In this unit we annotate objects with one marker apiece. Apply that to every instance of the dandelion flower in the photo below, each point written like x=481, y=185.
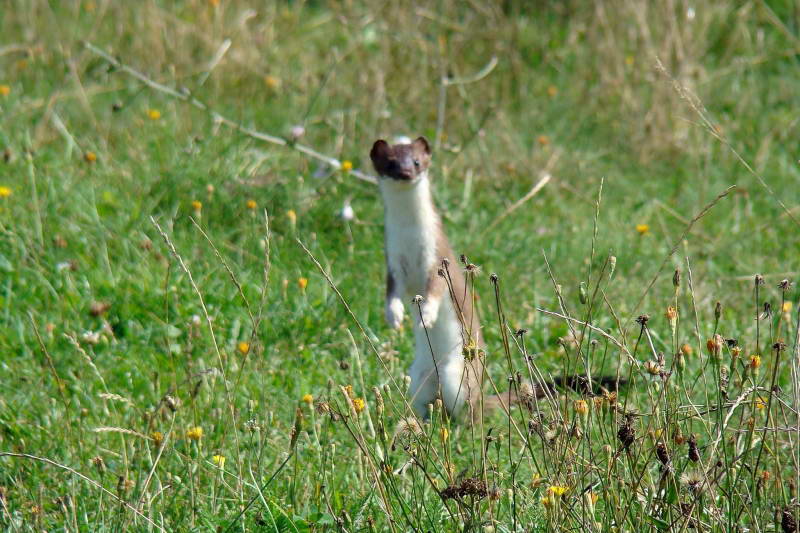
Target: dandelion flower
x=292, y=216
x=558, y=490
x=755, y=361
x=787, y=307
x=5, y=192
x=642, y=229
x=359, y=404
x=153, y=114
x=759, y=403
x=307, y=398
x=197, y=205
x=90, y=157
x=218, y=460
x=251, y=204
x=302, y=283
x=157, y=437
x=5, y=90
x=194, y=433
x=272, y=82
x=243, y=347
x=347, y=166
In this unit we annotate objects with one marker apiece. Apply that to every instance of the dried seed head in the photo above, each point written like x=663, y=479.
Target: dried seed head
x=788, y=521
x=759, y=280
x=642, y=320
x=785, y=285
x=172, y=402
x=662, y=453
x=676, y=278
x=694, y=453
x=626, y=433
x=493, y=278
x=417, y=300
x=717, y=310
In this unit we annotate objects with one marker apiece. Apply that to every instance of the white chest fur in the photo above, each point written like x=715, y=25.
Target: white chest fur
x=411, y=229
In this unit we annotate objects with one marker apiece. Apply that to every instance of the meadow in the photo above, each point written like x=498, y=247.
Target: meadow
x=192, y=332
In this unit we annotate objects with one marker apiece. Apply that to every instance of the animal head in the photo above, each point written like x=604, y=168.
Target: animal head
x=401, y=162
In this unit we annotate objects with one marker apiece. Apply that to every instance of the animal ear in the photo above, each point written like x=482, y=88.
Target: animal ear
x=380, y=152
x=421, y=143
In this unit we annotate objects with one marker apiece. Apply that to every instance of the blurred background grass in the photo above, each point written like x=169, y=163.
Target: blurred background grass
x=575, y=93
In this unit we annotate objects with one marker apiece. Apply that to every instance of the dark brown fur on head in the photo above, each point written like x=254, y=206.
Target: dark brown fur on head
x=403, y=162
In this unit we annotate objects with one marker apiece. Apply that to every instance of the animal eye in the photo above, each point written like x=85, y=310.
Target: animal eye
x=416, y=163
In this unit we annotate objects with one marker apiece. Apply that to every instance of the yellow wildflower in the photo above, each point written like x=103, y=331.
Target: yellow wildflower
x=272, y=82
x=153, y=114
x=347, y=166
x=292, y=216
x=671, y=314
x=444, y=434
x=546, y=501
x=558, y=490
x=787, y=307
x=5, y=192
x=158, y=438
x=348, y=389
x=686, y=350
x=629, y=60
x=302, y=283
x=307, y=398
x=243, y=347
x=755, y=361
x=194, y=433
x=359, y=404
x=197, y=205
x=759, y=403
x=552, y=91
x=5, y=90
x=90, y=157
x=543, y=140
x=218, y=460
x=251, y=204
x=581, y=407
x=642, y=229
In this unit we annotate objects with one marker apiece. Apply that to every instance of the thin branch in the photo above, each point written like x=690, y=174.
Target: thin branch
x=185, y=95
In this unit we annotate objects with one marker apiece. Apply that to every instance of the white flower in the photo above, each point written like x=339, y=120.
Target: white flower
x=297, y=132
x=347, y=212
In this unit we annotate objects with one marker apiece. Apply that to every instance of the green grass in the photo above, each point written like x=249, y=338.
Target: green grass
x=575, y=92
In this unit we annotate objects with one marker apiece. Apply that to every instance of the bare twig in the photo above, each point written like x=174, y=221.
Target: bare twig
x=185, y=95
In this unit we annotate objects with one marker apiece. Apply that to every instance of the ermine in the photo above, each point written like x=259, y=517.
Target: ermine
x=446, y=327
x=445, y=322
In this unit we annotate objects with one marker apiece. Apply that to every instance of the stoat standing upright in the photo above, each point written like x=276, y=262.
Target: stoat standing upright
x=416, y=246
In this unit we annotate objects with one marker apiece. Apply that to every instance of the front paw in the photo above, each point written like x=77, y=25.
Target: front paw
x=394, y=313
x=428, y=313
